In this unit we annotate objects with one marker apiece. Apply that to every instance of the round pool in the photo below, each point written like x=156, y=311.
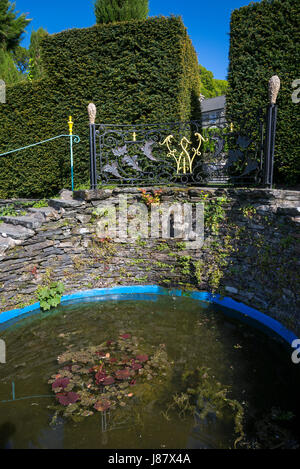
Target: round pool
x=145, y=371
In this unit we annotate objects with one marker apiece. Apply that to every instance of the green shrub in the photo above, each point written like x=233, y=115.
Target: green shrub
x=264, y=41
x=136, y=71
x=50, y=296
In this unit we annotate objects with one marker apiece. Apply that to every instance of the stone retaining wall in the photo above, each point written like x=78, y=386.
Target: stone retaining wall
x=251, y=249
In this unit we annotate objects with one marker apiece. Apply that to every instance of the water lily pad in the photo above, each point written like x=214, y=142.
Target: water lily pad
x=61, y=383
x=108, y=380
x=67, y=398
x=102, y=405
x=136, y=366
x=123, y=374
x=101, y=377
x=87, y=413
x=142, y=358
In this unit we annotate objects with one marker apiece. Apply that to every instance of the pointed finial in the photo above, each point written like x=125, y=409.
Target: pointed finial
x=274, y=87
x=92, y=111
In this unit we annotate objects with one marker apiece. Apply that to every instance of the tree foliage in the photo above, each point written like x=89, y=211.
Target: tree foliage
x=21, y=59
x=36, y=69
x=8, y=70
x=210, y=86
x=12, y=56
x=11, y=26
x=110, y=11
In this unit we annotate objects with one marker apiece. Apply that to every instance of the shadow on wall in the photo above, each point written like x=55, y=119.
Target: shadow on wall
x=255, y=256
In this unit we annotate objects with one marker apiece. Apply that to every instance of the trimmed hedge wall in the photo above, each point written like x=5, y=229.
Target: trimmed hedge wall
x=136, y=71
x=265, y=41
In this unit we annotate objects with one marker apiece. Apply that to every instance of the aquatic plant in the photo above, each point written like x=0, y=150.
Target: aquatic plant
x=105, y=377
x=202, y=396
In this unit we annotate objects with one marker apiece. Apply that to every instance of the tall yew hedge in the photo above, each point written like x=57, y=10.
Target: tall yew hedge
x=265, y=41
x=136, y=71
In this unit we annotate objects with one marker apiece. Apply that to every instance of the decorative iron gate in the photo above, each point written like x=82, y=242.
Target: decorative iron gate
x=184, y=152
x=174, y=153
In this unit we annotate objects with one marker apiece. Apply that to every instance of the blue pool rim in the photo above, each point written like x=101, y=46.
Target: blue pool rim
x=240, y=310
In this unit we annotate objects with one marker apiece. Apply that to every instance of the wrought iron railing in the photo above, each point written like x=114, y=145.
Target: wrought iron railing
x=72, y=138
x=235, y=152
x=173, y=153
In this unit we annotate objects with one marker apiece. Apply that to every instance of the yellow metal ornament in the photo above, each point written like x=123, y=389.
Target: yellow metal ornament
x=71, y=123
x=184, y=161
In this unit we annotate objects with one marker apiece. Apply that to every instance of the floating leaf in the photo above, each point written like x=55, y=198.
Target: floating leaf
x=102, y=405
x=123, y=374
x=136, y=366
x=87, y=413
x=67, y=398
x=61, y=383
x=108, y=380
x=100, y=376
x=142, y=358
x=125, y=336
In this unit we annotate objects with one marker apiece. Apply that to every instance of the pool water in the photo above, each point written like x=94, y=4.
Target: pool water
x=256, y=370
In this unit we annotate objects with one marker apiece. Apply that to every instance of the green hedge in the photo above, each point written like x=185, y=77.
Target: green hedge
x=265, y=41
x=138, y=71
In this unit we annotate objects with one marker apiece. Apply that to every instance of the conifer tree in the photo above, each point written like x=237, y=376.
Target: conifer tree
x=11, y=26
x=35, y=62
x=110, y=11
x=8, y=69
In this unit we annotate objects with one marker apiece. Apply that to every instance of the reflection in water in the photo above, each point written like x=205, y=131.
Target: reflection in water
x=50, y=438
x=7, y=430
x=207, y=432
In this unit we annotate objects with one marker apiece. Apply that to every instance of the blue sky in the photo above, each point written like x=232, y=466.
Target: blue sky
x=207, y=22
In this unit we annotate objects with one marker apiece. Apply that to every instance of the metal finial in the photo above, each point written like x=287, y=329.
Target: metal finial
x=92, y=111
x=71, y=123
x=274, y=87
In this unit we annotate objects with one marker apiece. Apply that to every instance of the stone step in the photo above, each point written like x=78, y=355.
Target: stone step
x=26, y=221
x=290, y=211
x=62, y=203
x=15, y=231
x=288, y=202
x=43, y=212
